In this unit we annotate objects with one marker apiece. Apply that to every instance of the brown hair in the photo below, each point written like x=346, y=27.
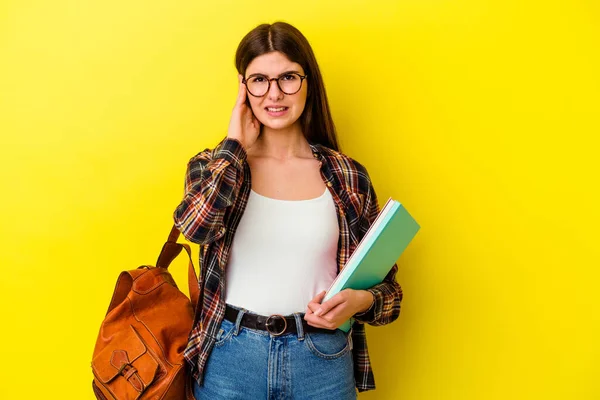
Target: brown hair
x=317, y=124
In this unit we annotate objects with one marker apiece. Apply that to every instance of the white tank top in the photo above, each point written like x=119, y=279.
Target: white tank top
x=283, y=254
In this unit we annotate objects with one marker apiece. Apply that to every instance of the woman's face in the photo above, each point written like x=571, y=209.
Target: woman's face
x=276, y=109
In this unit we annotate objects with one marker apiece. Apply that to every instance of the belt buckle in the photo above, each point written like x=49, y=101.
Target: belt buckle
x=267, y=325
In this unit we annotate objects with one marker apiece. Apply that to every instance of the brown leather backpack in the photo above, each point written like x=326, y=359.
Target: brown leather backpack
x=139, y=350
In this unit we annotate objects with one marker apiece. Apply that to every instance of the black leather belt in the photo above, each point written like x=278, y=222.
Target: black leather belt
x=275, y=324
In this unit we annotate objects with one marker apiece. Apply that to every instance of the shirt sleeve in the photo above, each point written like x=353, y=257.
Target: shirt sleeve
x=388, y=294
x=212, y=182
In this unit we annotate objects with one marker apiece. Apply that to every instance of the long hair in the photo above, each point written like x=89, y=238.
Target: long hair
x=317, y=124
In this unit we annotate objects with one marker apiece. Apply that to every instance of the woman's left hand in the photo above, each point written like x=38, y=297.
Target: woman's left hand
x=337, y=310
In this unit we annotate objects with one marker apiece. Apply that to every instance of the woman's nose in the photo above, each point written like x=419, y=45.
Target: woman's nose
x=274, y=92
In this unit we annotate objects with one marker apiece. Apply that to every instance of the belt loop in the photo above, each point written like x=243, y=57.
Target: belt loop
x=238, y=321
x=299, y=326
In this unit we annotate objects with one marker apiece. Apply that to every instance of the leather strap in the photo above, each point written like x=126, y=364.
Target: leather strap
x=171, y=249
x=260, y=322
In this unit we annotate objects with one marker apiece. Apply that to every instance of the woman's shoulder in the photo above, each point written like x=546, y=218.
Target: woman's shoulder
x=205, y=154
x=342, y=161
x=355, y=174
x=208, y=153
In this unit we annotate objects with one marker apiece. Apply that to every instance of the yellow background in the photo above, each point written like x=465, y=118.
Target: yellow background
x=480, y=116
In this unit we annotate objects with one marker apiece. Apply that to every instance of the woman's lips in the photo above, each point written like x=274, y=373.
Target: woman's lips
x=276, y=111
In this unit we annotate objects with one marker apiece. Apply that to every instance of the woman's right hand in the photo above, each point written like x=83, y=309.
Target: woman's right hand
x=243, y=125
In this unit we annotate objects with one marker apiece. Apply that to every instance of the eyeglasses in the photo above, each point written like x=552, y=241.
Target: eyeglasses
x=259, y=85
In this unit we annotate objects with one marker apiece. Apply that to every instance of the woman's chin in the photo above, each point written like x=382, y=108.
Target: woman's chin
x=275, y=124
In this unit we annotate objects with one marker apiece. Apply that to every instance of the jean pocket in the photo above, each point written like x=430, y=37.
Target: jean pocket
x=225, y=332
x=328, y=345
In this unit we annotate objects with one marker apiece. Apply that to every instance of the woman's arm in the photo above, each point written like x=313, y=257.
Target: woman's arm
x=388, y=294
x=212, y=182
x=214, y=178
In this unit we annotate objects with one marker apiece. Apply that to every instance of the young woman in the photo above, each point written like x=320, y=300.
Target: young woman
x=277, y=210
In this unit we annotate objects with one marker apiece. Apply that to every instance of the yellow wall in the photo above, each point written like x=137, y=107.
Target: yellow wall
x=481, y=116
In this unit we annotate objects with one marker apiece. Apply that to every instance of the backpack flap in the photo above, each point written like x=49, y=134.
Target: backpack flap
x=126, y=365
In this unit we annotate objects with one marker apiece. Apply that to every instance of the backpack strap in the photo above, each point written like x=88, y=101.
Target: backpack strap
x=170, y=250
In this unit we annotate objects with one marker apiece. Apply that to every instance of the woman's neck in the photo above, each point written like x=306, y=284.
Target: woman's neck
x=281, y=144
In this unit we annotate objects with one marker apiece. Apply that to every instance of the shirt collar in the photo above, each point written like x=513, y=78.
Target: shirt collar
x=316, y=150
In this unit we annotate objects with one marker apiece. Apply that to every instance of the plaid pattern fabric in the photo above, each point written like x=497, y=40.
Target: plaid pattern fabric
x=217, y=186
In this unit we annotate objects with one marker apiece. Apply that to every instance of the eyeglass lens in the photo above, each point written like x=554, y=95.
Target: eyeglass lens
x=258, y=85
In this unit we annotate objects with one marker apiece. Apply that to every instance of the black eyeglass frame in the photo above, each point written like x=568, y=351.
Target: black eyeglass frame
x=302, y=78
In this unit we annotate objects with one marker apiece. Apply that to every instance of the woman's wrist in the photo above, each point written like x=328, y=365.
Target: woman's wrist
x=367, y=301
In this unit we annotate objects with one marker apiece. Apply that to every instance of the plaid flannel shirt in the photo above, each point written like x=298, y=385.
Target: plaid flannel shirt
x=217, y=186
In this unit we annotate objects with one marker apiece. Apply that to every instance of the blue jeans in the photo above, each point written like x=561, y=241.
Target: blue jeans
x=252, y=364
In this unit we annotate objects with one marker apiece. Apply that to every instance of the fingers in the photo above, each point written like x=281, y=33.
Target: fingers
x=314, y=319
x=329, y=304
x=241, y=92
x=315, y=303
x=319, y=297
x=312, y=307
x=320, y=322
x=330, y=314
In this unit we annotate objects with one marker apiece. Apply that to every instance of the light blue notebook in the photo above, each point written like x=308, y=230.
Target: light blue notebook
x=375, y=255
